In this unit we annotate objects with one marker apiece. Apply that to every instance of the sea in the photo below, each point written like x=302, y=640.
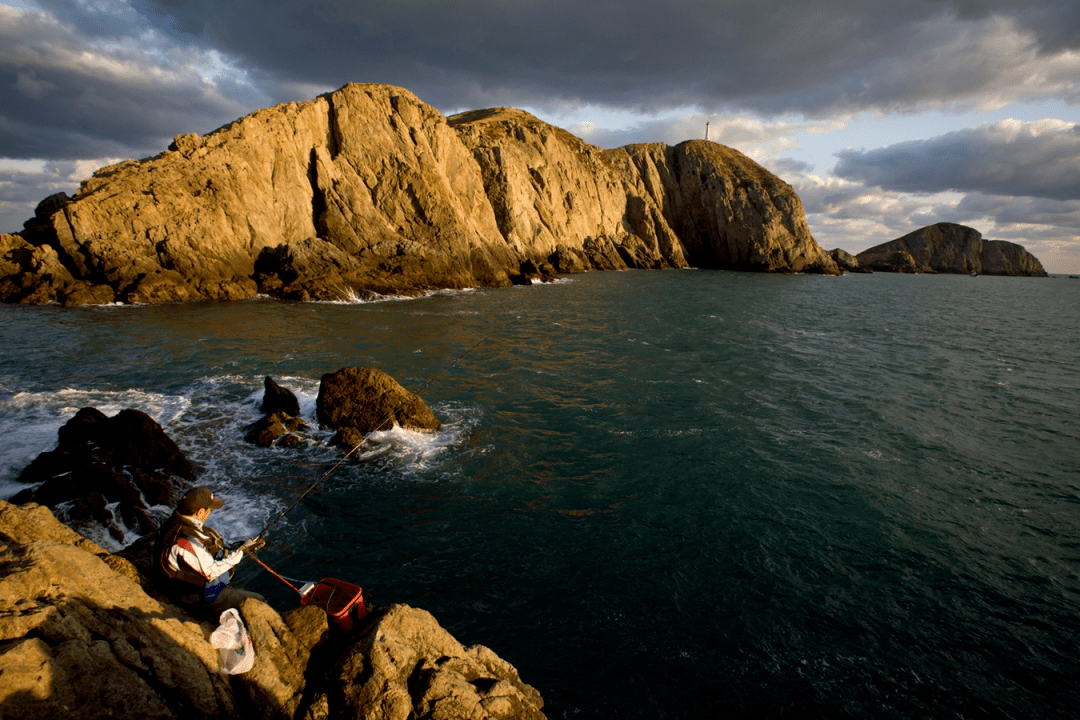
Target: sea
x=658, y=494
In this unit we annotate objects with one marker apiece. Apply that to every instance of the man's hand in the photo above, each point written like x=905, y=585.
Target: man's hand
x=253, y=545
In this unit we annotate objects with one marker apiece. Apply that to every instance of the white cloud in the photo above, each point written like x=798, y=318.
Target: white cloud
x=21, y=188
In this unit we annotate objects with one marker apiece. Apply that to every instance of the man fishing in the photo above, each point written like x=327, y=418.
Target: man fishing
x=191, y=562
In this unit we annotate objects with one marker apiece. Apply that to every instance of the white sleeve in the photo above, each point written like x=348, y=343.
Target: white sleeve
x=198, y=559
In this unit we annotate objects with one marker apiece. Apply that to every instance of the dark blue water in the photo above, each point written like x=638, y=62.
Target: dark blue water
x=670, y=494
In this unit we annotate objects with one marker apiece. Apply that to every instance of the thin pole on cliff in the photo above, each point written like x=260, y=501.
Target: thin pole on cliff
x=380, y=426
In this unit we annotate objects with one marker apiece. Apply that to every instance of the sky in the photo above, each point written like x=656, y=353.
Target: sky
x=884, y=116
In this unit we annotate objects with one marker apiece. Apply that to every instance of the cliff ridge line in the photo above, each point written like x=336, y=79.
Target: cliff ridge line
x=369, y=190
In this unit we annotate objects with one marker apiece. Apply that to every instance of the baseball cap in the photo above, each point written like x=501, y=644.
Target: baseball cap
x=197, y=499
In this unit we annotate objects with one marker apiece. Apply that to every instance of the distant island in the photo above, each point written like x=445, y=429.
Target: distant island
x=367, y=190
x=944, y=248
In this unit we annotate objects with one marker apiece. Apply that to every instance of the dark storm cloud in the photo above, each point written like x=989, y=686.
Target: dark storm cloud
x=66, y=94
x=83, y=79
x=811, y=56
x=1009, y=158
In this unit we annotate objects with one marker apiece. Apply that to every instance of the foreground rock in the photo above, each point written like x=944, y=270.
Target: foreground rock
x=406, y=666
x=369, y=190
x=80, y=638
x=126, y=459
x=950, y=248
x=357, y=401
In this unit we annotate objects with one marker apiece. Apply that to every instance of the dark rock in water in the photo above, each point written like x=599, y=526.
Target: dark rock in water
x=126, y=459
x=278, y=399
x=274, y=426
x=406, y=665
x=365, y=400
x=950, y=248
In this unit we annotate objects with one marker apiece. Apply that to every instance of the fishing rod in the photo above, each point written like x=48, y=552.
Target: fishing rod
x=389, y=418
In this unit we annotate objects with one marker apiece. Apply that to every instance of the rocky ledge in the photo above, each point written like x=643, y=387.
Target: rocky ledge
x=950, y=248
x=368, y=190
x=83, y=635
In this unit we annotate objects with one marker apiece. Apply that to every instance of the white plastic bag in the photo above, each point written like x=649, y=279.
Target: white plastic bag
x=232, y=641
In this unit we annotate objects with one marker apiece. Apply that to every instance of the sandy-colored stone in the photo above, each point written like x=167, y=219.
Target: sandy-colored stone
x=369, y=190
x=405, y=665
x=364, y=400
x=103, y=647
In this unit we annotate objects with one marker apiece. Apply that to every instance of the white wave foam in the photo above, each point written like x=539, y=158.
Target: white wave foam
x=348, y=296
x=208, y=420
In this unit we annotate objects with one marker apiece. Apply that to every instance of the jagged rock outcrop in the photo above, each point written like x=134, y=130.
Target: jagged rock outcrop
x=406, y=666
x=80, y=638
x=126, y=459
x=357, y=401
x=281, y=425
x=278, y=399
x=950, y=248
x=277, y=428
x=369, y=190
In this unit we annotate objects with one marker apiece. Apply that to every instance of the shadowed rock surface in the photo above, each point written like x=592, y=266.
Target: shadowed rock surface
x=369, y=190
x=358, y=401
x=950, y=248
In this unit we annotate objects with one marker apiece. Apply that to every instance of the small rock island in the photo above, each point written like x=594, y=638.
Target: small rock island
x=948, y=248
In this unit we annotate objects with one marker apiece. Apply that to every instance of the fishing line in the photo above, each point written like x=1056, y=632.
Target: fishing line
x=379, y=427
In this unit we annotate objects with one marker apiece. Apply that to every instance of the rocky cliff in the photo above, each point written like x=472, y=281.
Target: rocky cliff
x=950, y=248
x=368, y=189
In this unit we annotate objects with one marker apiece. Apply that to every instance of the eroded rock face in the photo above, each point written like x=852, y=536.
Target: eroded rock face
x=405, y=665
x=369, y=190
x=728, y=211
x=126, y=459
x=645, y=206
x=358, y=401
x=950, y=248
